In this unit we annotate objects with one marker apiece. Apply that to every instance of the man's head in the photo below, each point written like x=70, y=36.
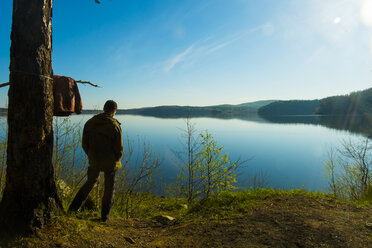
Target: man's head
x=110, y=107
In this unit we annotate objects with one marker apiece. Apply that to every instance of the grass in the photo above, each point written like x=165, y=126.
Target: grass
x=233, y=204
x=221, y=206
x=147, y=206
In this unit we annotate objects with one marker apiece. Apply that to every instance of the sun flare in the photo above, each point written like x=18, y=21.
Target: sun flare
x=366, y=12
x=337, y=20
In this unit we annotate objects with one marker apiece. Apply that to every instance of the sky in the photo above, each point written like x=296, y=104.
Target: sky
x=206, y=52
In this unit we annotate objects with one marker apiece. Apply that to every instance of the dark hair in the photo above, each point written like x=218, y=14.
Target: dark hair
x=110, y=106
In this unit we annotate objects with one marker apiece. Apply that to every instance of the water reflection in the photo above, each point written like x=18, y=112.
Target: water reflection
x=356, y=123
x=293, y=119
x=183, y=113
x=359, y=124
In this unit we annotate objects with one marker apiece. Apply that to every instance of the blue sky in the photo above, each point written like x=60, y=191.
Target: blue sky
x=206, y=52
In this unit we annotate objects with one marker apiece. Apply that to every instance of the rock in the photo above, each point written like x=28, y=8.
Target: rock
x=61, y=244
x=129, y=240
x=369, y=226
x=164, y=219
x=63, y=189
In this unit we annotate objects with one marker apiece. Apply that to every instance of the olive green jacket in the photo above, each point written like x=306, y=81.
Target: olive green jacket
x=102, y=142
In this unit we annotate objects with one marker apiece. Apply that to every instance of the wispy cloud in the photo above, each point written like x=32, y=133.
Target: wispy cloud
x=315, y=55
x=178, y=58
x=220, y=46
x=266, y=29
x=195, y=52
x=207, y=46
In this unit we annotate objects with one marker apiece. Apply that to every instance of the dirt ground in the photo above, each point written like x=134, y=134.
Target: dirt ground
x=293, y=221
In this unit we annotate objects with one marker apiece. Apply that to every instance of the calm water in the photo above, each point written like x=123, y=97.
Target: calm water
x=288, y=155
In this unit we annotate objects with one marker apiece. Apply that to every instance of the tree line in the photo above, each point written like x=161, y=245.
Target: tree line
x=355, y=103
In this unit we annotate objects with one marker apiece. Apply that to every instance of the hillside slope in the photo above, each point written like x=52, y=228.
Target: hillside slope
x=359, y=103
x=355, y=103
x=293, y=107
x=175, y=111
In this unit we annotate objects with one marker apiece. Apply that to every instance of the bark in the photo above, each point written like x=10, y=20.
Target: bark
x=30, y=197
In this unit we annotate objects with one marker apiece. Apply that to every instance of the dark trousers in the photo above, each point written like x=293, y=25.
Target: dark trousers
x=108, y=195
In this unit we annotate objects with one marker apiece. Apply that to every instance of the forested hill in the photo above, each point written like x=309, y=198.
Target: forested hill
x=292, y=107
x=356, y=103
x=223, y=111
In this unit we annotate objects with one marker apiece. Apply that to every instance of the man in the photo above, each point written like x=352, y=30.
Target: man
x=103, y=143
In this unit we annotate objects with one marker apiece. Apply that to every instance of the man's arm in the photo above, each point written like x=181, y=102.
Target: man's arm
x=118, y=143
x=85, y=140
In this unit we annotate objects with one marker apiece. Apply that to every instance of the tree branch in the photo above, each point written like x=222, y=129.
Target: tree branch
x=78, y=81
x=5, y=84
x=87, y=82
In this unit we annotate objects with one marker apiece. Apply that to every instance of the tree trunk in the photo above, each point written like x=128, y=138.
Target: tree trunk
x=30, y=196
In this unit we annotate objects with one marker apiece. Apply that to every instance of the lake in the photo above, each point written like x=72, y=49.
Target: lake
x=286, y=155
